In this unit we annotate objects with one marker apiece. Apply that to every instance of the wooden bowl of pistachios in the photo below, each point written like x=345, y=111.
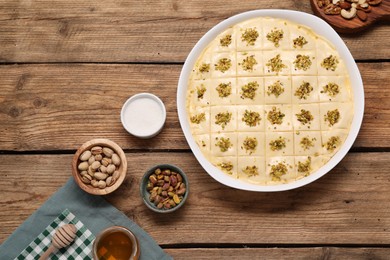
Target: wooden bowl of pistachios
x=99, y=166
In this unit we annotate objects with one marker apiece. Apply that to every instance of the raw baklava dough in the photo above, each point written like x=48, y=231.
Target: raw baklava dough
x=269, y=101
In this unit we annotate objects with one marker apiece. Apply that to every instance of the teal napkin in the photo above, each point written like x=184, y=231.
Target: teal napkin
x=95, y=212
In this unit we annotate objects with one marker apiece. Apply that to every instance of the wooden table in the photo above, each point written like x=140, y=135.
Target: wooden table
x=66, y=69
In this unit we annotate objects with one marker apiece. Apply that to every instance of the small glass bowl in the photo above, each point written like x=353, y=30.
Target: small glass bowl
x=135, y=251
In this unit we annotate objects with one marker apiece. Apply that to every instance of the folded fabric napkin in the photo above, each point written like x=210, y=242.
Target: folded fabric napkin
x=93, y=211
x=81, y=248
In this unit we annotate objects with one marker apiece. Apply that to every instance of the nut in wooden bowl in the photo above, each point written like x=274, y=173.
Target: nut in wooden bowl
x=99, y=166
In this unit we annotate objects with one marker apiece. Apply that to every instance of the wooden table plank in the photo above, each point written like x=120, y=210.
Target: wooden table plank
x=329, y=253
x=59, y=107
x=347, y=206
x=133, y=31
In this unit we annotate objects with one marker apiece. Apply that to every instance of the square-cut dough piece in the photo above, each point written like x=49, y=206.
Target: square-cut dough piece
x=288, y=162
x=252, y=169
x=204, y=125
x=324, y=51
x=307, y=143
x=333, y=140
x=297, y=31
x=227, y=165
x=279, y=144
x=302, y=112
x=272, y=84
x=222, y=85
x=223, y=39
x=281, y=58
x=222, y=127
x=249, y=138
x=204, y=68
x=346, y=114
x=224, y=138
x=243, y=125
x=245, y=95
x=299, y=59
x=250, y=64
x=285, y=121
x=216, y=60
x=271, y=24
x=250, y=27
x=342, y=85
x=304, y=89
x=200, y=93
x=203, y=142
x=309, y=163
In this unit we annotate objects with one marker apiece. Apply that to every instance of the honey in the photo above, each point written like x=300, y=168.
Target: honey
x=115, y=246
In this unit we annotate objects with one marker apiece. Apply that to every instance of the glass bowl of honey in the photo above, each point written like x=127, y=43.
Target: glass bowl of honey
x=116, y=242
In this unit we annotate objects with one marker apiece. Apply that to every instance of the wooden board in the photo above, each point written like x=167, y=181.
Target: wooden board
x=349, y=205
x=59, y=107
x=378, y=13
x=133, y=31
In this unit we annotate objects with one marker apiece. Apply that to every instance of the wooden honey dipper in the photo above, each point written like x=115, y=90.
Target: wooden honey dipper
x=63, y=237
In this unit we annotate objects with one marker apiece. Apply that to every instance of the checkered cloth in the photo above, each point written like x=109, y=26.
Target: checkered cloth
x=81, y=248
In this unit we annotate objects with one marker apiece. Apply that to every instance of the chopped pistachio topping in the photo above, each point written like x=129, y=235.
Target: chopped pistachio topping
x=248, y=63
x=275, y=89
x=278, y=171
x=250, y=144
x=249, y=90
x=203, y=144
x=224, y=89
x=223, y=118
x=223, y=65
x=332, y=143
x=275, y=116
x=276, y=64
x=197, y=119
x=251, y=170
x=223, y=143
x=330, y=63
x=278, y=144
x=250, y=36
x=332, y=89
x=305, y=167
x=299, y=42
x=226, y=41
x=275, y=36
x=302, y=62
x=305, y=117
x=251, y=118
x=204, y=68
x=332, y=116
x=304, y=90
x=200, y=91
x=306, y=143
x=226, y=167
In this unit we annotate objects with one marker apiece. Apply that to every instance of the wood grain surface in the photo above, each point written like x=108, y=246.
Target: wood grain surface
x=315, y=253
x=134, y=31
x=67, y=66
x=61, y=106
x=351, y=199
